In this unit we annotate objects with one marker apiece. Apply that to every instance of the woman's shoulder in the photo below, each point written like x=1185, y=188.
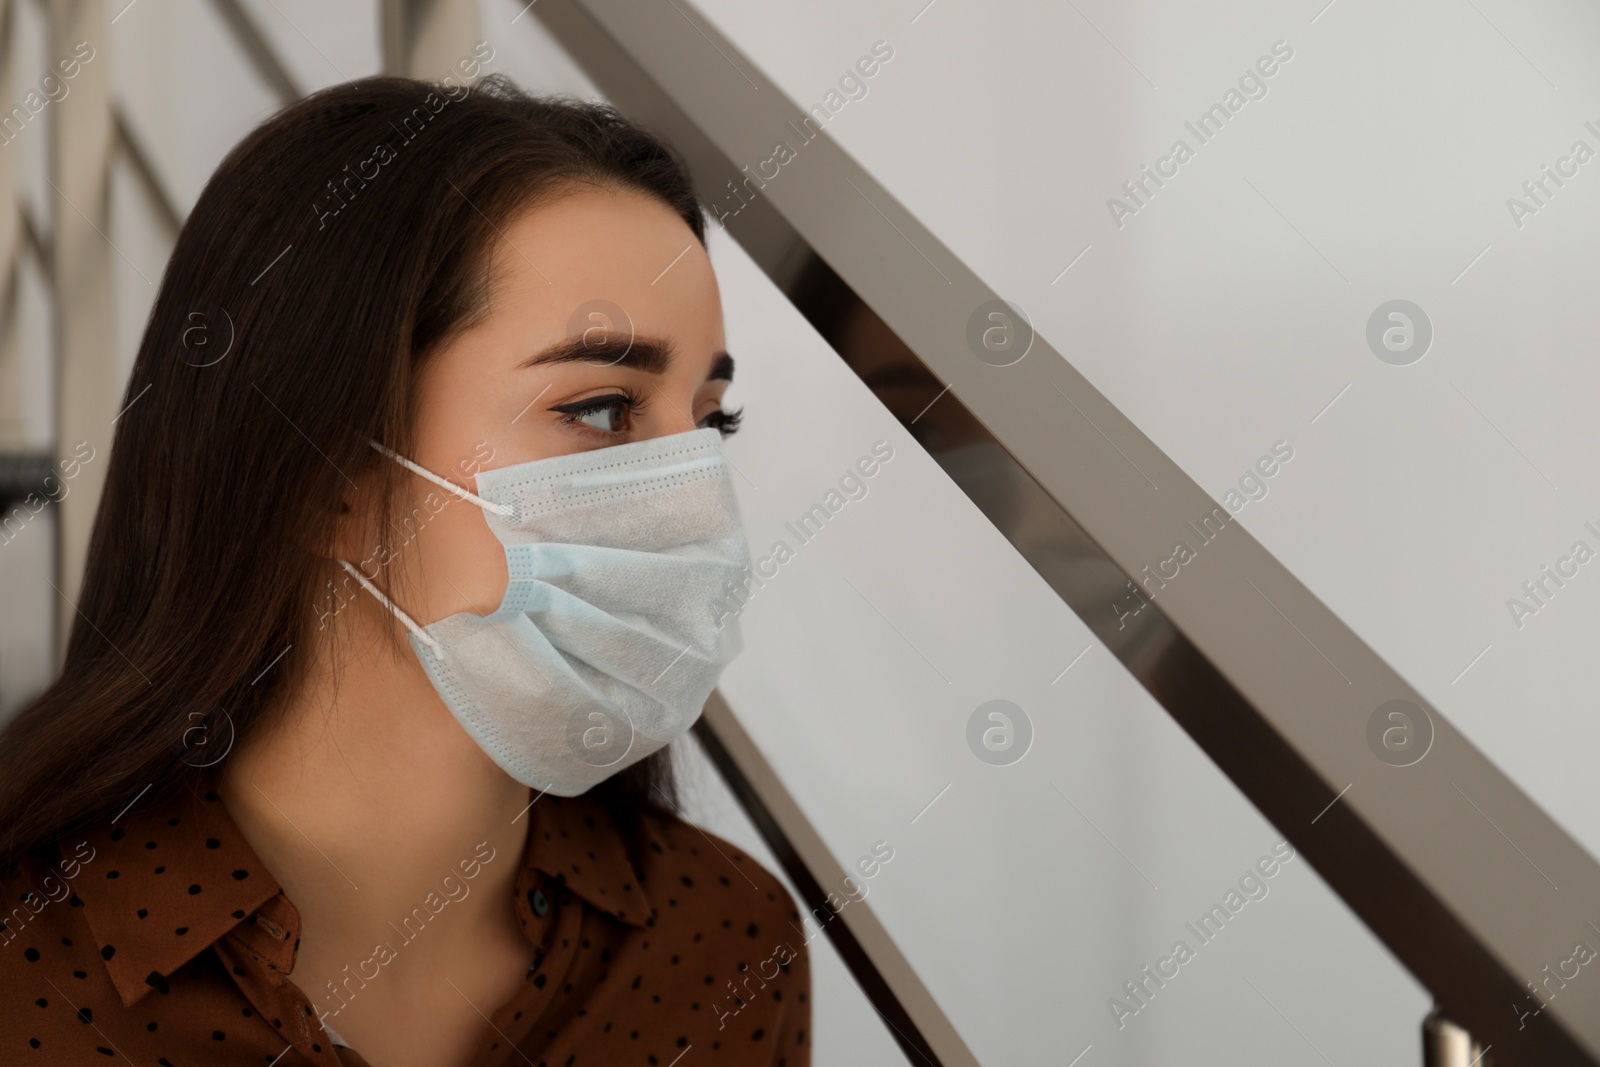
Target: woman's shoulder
x=39, y=901
x=686, y=860
x=719, y=939
x=711, y=898
x=682, y=869
x=46, y=946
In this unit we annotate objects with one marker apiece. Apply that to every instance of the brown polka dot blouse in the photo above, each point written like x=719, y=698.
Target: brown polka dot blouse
x=163, y=940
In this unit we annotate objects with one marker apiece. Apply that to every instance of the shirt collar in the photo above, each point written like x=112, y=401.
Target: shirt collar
x=165, y=882
x=575, y=841
x=153, y=909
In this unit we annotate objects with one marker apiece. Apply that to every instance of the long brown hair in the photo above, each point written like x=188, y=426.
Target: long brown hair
x=314, y=278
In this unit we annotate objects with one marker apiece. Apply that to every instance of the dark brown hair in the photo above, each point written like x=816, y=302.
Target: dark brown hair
x=334, y=250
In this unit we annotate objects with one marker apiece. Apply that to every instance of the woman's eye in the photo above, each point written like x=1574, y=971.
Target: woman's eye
x=607, y=419
x=614, y=413
x=609, y=414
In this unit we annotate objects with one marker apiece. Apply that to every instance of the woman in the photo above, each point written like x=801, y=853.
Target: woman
x=405, y=572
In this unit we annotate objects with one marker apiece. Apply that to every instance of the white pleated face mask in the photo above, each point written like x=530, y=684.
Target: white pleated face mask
x=614, y=626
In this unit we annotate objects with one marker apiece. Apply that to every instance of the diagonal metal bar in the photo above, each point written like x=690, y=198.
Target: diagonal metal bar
x=880, y=968
x=87, y=387
x=259, y=50
x=422, y=38
x=37, y=242
x=10, y=218
x=132, y=149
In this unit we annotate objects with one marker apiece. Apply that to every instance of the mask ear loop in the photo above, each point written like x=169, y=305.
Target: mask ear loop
x=503, y=510
x=410, y=624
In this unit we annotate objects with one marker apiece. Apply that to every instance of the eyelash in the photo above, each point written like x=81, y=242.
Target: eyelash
x=725, y=421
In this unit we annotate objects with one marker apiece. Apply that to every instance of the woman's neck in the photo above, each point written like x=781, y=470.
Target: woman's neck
x=368, y=801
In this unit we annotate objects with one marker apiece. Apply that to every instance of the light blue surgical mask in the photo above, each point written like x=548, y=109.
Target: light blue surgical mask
x=613, y=630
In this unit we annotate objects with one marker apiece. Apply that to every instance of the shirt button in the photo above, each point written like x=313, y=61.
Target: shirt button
x=541, y=903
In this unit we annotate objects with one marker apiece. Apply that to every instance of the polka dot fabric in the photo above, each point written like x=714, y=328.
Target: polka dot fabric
x=163, y=940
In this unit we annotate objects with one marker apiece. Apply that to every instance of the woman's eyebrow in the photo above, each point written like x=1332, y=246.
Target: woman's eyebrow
x=649, y=354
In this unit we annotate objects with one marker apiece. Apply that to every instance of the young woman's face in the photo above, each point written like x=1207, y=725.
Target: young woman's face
x=604, y=327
